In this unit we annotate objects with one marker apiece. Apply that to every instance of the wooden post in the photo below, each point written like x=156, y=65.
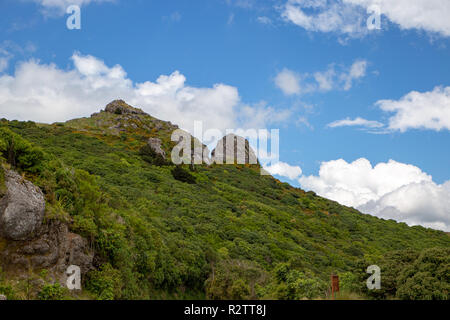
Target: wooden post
x=334, y=285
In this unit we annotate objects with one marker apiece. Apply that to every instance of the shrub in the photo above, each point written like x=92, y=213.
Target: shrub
x=350, y=282
x=18, y=152
x=105, y=283
x=8, y=291
x=150, y=156
x=181, y=174
x=301, y=286
x=428, y=278
x=52, y=292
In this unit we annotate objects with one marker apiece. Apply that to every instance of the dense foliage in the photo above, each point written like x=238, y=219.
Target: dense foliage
x=229, y=233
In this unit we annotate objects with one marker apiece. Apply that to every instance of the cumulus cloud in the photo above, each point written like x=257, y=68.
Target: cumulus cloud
x=358, y=122
x=46, y=93
x=334, y=78
x=419, y=110
x=424, y=203
x=349, y=16
x=391, y=190
x=427, y=15
x=288, y=81
x=283, y=169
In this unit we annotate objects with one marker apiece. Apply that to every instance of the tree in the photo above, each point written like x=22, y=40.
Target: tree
x=18, y=152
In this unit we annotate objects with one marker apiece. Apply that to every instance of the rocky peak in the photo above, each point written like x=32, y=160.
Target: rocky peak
x=242, y=153
x=121, y=107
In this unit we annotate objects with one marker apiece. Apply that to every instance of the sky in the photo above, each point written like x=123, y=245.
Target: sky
x=359, y=89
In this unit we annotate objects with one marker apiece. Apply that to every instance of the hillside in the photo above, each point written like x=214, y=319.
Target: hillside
x=157, y=231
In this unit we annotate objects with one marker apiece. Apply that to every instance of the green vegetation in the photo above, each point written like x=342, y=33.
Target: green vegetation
x=228, y=233
x=52, y=292
x=405, y=274
x=18, y=152
x=181, y=174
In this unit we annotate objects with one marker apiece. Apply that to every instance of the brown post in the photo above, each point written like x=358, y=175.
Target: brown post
x=334, y=285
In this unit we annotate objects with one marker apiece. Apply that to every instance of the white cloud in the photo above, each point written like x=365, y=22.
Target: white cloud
x=264, y=20
x=389, y=190
x=428, y=15
x=325, y=16
x=416, y=110
x=424, y=203
x=260, y=115
x=359, y=122
x=303, y=121
x=288, y=81
x=357, y=71
x=349, y=16
x=5, y=55
x=4, y=62
x=283, y=169
x=59, y=7
x=334, y=78
x=45, y=93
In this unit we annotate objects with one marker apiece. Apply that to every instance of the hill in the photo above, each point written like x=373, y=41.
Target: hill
x=158, y=231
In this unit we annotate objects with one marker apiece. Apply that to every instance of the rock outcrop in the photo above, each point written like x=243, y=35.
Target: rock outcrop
x=121, y=107
x=54, y=248
x=21, y=209
x=241, y=153
x=27, y=243
x=155, y=145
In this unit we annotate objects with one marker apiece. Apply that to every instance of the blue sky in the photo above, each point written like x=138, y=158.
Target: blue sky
x=289, y=62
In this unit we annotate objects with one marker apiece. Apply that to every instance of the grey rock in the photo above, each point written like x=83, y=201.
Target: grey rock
x=155, y=145
x=200, y=156
x=21, y=209
x=122, y=108
x=54, y=249
x=3, y=298
x=241, y=152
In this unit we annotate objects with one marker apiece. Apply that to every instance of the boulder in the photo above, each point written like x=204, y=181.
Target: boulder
x=155, y=145
x=240, y=153
x=21, y=209
x=2, y=297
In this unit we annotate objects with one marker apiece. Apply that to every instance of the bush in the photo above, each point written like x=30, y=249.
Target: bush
x=18, y=152
x=150, y=156
x=428, y=278
x=181, y=174
x=52, y=292
x=350, y=282
x=105, y=283
x=301, y=286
